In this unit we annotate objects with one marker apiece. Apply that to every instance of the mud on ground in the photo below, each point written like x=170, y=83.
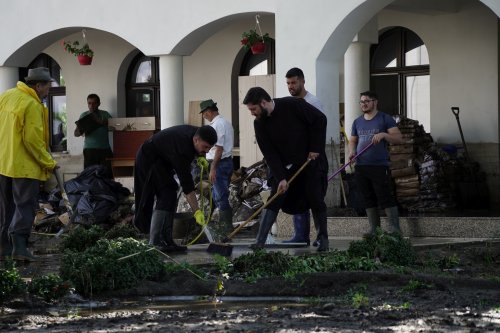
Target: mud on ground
x=462, y=298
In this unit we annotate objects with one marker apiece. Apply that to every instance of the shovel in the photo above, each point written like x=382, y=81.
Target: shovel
x=69, y=208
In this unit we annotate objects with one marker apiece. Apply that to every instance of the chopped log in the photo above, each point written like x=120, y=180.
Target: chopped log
x=403, y=172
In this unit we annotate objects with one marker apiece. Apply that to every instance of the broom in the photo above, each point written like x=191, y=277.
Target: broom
x=226, y=249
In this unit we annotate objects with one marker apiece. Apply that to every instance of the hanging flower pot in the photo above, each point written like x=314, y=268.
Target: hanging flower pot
x=258, y=48
x=254, y=39
x=84, y=59
x=83, y=52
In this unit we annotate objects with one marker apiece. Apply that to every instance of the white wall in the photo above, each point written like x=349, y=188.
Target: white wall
x=463, y=53
x=207, y=72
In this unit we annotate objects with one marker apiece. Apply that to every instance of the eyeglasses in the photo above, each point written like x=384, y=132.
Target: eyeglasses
x=366, y=101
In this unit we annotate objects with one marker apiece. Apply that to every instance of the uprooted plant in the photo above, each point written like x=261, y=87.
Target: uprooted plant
x=48, y=287
x=98, y=267
x=389, y=248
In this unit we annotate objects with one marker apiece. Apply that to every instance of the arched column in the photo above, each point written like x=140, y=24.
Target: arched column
x=356, y=80
x=8, y=77
x=171, y=90
x=357, y=71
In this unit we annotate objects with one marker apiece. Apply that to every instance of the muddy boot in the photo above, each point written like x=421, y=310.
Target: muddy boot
x=226, y=221
x=393, y=219
x=317, y=240
x=302, y=227
x=223, y=227
x=168, y=244
x=320, y=221
x=5, y=246
x=266, y=222
x=373, y=220
x=155, y=230
x=20, y=248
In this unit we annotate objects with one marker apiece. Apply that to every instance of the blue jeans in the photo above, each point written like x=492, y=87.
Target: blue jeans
x=220, y=189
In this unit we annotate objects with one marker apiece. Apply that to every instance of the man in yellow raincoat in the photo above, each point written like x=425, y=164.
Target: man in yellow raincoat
x=24, y=160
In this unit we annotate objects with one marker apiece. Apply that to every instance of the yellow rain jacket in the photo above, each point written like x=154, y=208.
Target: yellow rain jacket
x=24, y=135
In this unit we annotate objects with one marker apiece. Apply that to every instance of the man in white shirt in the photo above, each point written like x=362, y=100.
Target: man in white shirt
x=295, y=82
x=221, y=168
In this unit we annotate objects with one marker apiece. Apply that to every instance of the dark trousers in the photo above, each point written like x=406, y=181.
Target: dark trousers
x=18, y=199
x=374, y=183
x=95, y=156
x=152, y=180
x=308, y=190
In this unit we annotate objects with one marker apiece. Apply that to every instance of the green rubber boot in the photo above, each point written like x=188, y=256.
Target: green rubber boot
x=20, y=248
x=393, y=218
x=373, y=220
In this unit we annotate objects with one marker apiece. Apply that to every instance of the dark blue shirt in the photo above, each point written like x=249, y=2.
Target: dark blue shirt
x=365, y=130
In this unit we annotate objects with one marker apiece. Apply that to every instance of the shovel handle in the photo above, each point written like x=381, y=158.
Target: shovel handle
x=350, y=161
x=455, y=110
x=268, y=202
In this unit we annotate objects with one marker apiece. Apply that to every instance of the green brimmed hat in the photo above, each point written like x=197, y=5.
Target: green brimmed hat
x=208, y=104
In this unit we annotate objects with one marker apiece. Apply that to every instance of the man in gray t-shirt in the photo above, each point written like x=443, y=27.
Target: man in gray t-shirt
x=295, y=82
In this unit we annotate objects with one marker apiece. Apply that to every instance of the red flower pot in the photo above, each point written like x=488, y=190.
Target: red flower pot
x=258, y=48
x=84, y=59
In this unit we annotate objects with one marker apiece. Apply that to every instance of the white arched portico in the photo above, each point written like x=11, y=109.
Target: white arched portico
x=171, y=91
x=311, y=35
x=8, y=77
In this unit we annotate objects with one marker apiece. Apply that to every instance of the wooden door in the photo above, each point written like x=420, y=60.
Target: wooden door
x=249, y=150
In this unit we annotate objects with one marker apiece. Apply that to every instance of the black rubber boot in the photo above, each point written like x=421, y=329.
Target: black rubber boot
x=393, y=218
x=266, y=222
x=223, y=227
x=302, y=228
x=155, y=230
x=20, y=248
x=320, y=221
x=226, y=220
x=5, y=246
x=373, y=220
x=168, y=244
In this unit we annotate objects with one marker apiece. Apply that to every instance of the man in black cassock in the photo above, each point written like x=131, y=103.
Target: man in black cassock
x=168, y=152
x=289, y=131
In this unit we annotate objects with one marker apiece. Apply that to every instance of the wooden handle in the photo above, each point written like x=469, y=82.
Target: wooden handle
x=268, y=202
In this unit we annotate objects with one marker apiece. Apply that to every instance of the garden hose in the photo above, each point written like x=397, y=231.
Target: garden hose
x=201, y=162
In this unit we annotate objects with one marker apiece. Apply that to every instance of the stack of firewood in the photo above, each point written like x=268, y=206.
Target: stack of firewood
x=418, y=168
x=404, y=161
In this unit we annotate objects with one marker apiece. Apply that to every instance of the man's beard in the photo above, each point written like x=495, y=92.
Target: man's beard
x=263, y=113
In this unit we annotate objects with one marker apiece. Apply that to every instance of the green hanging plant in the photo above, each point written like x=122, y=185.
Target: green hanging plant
x=251, y=37
x=75, y=48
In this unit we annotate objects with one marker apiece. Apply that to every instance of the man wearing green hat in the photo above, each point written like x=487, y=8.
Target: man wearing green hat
x=221, y=168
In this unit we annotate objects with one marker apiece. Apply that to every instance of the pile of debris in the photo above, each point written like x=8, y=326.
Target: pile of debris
x=93, y=199
x=247, y=184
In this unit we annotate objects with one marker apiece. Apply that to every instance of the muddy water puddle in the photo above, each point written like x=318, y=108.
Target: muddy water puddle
x=179, y=303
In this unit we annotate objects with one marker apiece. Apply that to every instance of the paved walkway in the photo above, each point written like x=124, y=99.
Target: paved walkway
x=197, y=254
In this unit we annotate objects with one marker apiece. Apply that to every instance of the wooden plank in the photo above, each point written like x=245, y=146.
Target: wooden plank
x=194, y=116
x=249, y=150
x=126, y=143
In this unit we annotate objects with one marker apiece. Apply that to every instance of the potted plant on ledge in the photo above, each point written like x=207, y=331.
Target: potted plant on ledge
x=254, y=41
x=84, y=53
